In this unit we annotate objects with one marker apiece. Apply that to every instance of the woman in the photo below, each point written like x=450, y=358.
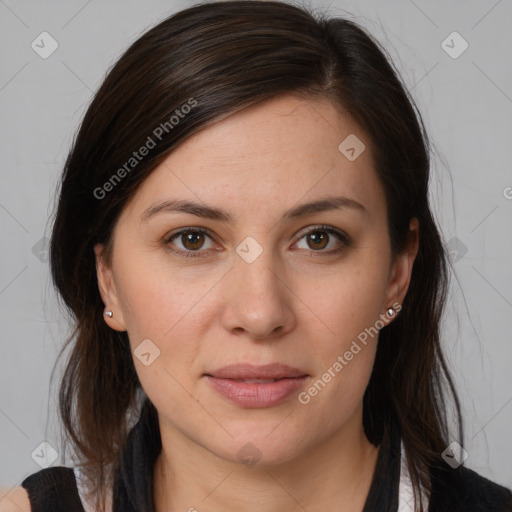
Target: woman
x=245, y=241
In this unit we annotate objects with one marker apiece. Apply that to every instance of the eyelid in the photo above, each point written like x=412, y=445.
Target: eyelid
x=347, y=239
x=190, y=229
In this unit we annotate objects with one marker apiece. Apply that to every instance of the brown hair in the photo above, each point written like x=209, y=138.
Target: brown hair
x=220, y=58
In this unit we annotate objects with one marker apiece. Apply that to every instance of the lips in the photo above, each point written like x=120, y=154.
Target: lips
x=249, y=372
x=251, y=386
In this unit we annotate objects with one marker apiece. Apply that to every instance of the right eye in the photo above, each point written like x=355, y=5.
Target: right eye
x=192, y=239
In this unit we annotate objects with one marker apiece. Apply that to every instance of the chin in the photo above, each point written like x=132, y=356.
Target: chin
x=257, y=446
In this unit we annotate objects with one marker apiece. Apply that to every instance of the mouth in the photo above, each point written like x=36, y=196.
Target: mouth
x=265, y=373
x=250, y=386
x=259, y=381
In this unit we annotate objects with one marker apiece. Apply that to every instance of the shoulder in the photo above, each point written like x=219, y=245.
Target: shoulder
x=14, y=500
x=465, y=490
x=49, y=489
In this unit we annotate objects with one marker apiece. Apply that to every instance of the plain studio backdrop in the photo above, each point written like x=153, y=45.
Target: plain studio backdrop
x=455, y=58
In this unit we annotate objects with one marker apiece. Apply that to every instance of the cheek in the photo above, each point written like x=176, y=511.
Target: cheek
x=158, y=310
x=344, y=328
x=156, y=300
x=168, y=307
x=344, y=354
x=348, y=302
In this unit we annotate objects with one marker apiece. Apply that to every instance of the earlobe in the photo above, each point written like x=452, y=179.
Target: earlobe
x=402, y=266
x=112, y=313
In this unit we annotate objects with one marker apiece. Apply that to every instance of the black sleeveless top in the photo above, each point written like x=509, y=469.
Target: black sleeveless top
x=55, y=489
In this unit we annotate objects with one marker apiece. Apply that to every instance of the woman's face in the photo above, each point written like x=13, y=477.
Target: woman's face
x=255, y=287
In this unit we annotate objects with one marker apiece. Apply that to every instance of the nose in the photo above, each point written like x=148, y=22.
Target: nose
x=257, y=301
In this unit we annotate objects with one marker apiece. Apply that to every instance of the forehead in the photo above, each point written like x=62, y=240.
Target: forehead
x=270, y=156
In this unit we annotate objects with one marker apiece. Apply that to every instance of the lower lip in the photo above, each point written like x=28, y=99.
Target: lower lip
x=254, y=394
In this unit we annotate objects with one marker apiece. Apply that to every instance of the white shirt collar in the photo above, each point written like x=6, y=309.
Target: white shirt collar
x=405, y=492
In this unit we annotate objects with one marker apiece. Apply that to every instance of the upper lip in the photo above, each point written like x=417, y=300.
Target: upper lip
x=250, y=371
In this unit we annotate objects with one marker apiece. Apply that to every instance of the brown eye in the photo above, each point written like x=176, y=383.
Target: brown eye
x=318, y=239
x=321, y=237
x=188, y=242
x=192, y=240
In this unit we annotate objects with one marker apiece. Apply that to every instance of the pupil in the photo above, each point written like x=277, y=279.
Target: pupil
x=192, y=238
x=318, y=238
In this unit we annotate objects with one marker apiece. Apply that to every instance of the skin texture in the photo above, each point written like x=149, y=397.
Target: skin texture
x=14, y=500
x=293, y=304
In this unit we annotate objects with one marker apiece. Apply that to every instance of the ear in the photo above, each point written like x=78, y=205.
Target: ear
x=108, y=291
x=401, y=270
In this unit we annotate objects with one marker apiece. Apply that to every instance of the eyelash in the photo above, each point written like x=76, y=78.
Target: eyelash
x=344, y=238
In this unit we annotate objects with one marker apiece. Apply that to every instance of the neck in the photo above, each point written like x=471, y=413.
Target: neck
x=337, y=470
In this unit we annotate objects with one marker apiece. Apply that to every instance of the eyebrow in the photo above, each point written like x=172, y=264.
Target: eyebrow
x=208, y=212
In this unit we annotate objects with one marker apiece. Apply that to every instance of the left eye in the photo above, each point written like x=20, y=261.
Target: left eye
x=317, y=239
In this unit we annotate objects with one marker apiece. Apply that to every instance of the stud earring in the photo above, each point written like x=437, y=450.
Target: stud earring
x=108, y=313
x=391, y=310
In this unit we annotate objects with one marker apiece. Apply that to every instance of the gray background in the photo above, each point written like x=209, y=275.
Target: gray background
x=467, y=106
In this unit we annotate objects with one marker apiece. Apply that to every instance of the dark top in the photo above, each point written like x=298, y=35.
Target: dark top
x=54, y=489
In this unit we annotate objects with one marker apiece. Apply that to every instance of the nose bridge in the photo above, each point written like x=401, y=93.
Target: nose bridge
x=256, y=300
x=255, y=269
